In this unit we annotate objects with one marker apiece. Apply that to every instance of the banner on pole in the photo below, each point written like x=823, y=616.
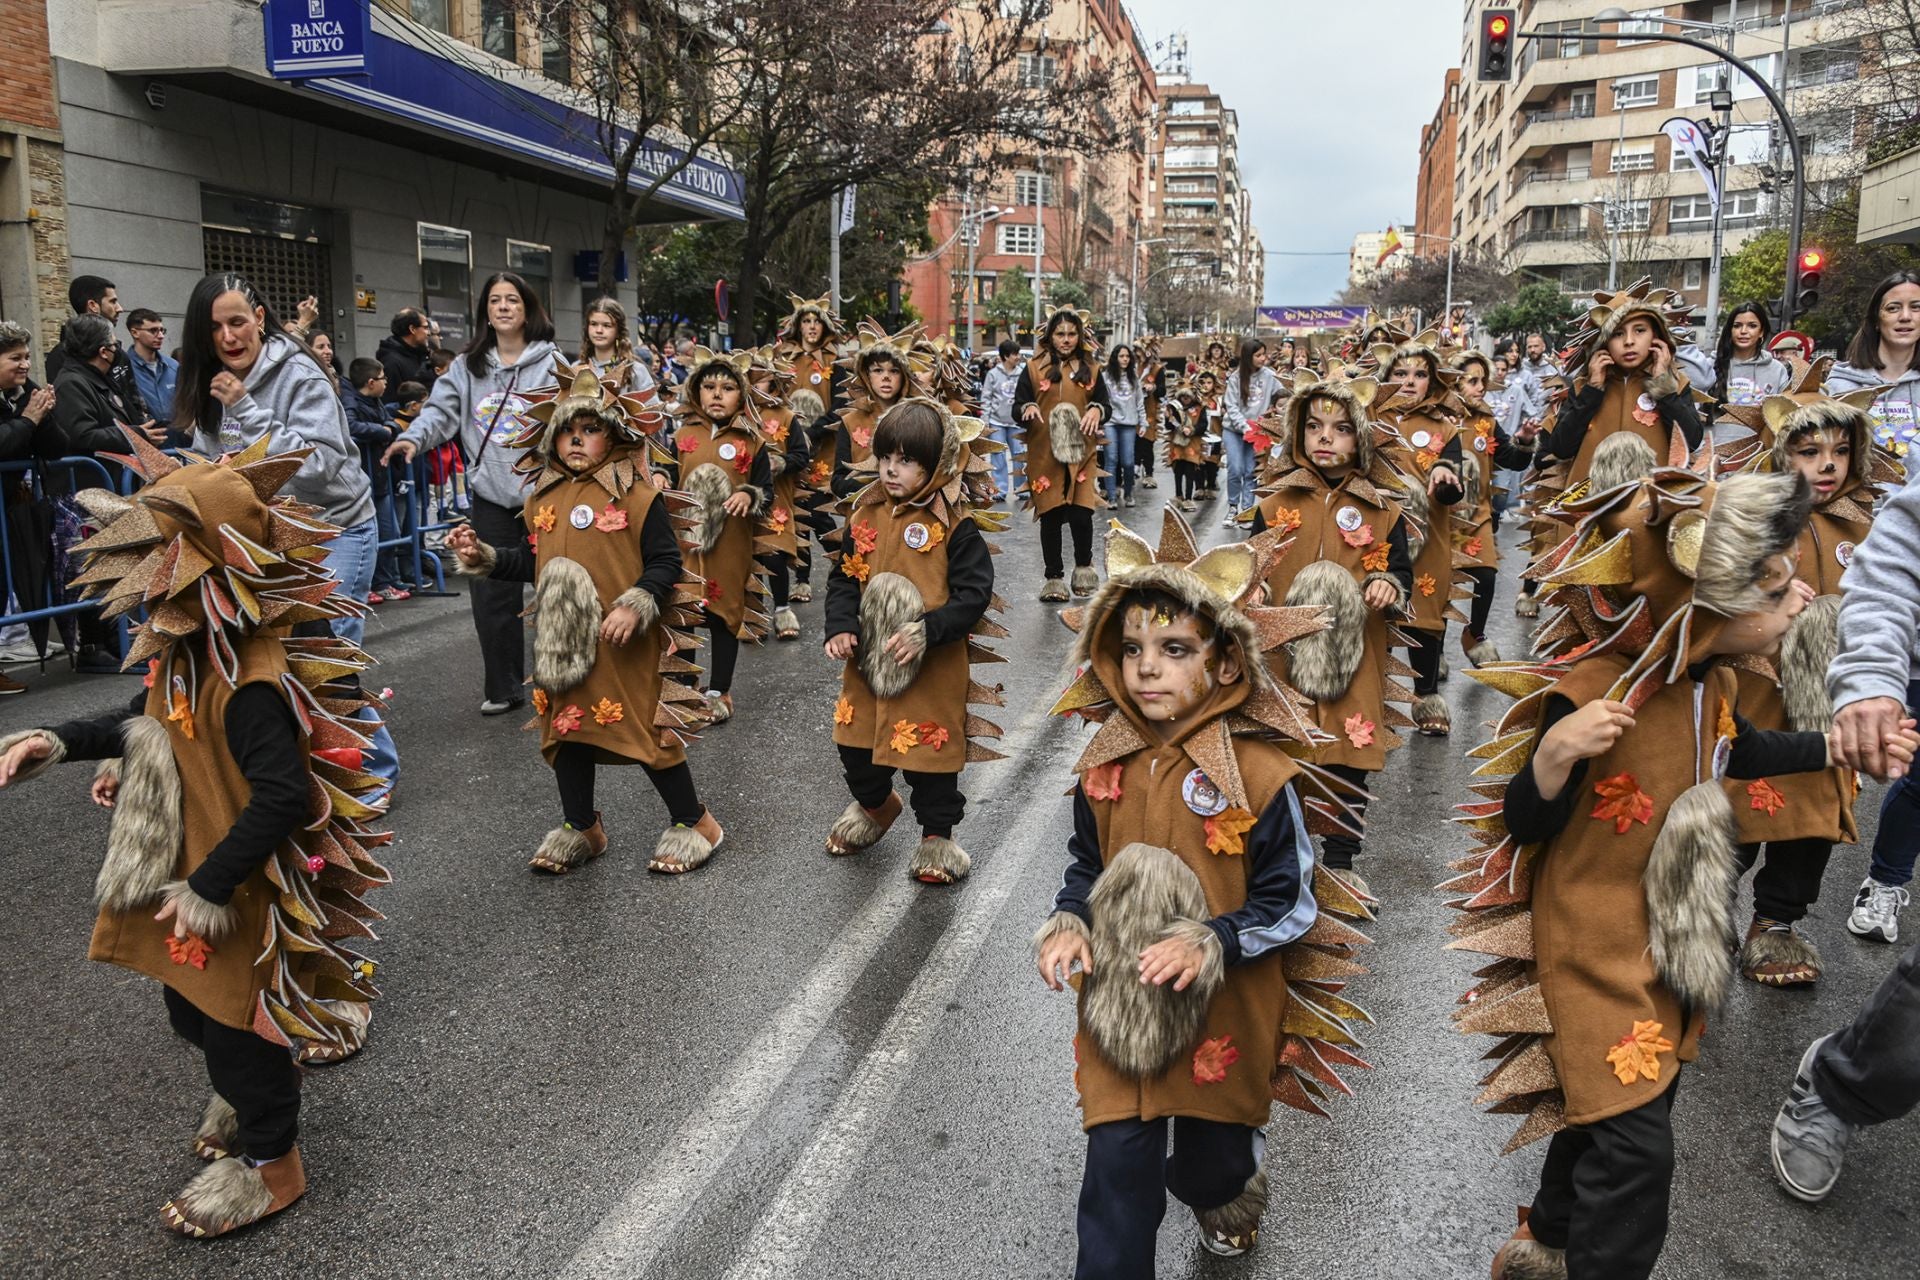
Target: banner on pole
x=1691, y=142
x=846, y=210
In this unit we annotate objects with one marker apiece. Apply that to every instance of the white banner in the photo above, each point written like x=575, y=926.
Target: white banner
x=846, y=210
x=1690, y=142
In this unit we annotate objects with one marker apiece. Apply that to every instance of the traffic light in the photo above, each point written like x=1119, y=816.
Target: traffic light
x=1496, y=45
x=1812, y=263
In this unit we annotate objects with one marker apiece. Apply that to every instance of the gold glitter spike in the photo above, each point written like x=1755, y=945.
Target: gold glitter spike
x=1528, y=1071
x=267, y=475
x=1547, y=1118
x=1506, y=932
x=1177, y=543
x=134, y=529
x=1516, y=680
x=1523, y=1011
x=1607, y=564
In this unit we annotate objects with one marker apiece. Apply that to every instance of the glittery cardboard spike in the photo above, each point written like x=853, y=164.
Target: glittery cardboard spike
x=1498, y=987
x=1548, y=1117
x=977, y=754
x=1309, y=964
x=984, y=695
x=977, y=727
x=1515, y=679
x=1329, y=930
x=134, y=529
x=1304, y=1056
x=1290, y=1089
x=1529, y=1070
x=1304, y=1016
x=1508, y=934
x=1336, y=895
x=1523, y=1010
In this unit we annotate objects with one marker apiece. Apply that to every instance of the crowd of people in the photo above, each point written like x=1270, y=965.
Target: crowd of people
x=1719, y=551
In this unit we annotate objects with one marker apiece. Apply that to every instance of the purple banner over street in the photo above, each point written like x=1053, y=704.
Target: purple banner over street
x=1313, y=317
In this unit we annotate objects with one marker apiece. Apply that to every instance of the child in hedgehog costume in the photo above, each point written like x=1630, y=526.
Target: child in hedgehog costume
x=910, y=591
x=1060, y=404
x=886, y=370
x=806, y=341
x=789, y=453
x=1211, y=947
x=235, y=782
x=609, y=584
x=1331, y=524
x=1801, y=817
x=1487, y=450
x=1603, y=879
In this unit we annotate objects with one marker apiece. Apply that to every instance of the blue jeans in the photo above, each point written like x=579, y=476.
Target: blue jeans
x=351, y=557
x=1239, y=470
x=1002, y=463
x=1896, y=845
x=1118, y=459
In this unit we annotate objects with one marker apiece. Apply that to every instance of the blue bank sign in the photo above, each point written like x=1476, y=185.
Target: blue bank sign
x=308, y=38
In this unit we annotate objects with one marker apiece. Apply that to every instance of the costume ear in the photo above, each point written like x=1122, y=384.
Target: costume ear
x=1382, y=353
x=1775, y=410
x=1304, y=379
x=1685, y=533
x=1365, y=390
x=1862, y=400
x=1228, y=571
x=1126, y=550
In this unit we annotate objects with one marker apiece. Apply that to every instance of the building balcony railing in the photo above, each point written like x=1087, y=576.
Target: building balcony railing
x=1533, y=235
x=1569, y=175
x=1531, y=118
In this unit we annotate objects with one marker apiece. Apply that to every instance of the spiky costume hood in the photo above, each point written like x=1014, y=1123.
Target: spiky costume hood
x=1375, y=479
x=1650, y=571
x=1664, y=309
x=218, y=559
x=875, y=344
x=1804, y=406
x=1084, y=319
x=962, y=484
x=628, y=420
x=821, y=307
x=1319, y=1026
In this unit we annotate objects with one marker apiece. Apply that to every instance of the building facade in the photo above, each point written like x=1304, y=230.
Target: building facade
x=451, y=155
x=1201, y=206
x=1433, y=204
x=33, y=201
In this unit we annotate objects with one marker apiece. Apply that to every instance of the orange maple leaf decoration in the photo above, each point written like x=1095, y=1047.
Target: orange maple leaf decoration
x=533, y=543
x=906, y=735
x=856, y=567
x=1637, y=1054
x=1359, y=730
x=540, y=701
x=1762, y=794
x=611, y=520
x=1042, y=484
x=843, y=711
x=1360, y=537
x=567, y=720
x=1425, y=583
x=1622, y=803
x=1286, y=520
x=1226, y=831
x=865, y=538
x=607, y=711
x=192, y=949
x=773, y=431
x=1725, y=727
x=1102, y=782
x=933, y=734
x=180, y=710
x=1212, y=1058
x=1375, y=561
x=1426, y=458
x=544, y=519
x=935, y=535
x=1474, y=546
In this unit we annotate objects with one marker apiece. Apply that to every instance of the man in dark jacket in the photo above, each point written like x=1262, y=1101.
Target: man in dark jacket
x=88, y=406
x=406, y=353
x=96, y=296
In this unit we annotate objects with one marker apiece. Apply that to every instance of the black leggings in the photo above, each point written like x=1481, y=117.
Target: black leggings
x=725, y=648
x=1183, y=479
x=1337, y=848
x=775, y=563
x=1788, y=881
x=1143, y=451
x=257, y=1077
x=1424, y=658
x=1080, y=521
x=573, y=770
x=937, y=802
x=1604, y=1192
x=1484, y=579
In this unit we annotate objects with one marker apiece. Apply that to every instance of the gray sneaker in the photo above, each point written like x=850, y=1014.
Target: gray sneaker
x=1809, y=1141
x=1876, y=910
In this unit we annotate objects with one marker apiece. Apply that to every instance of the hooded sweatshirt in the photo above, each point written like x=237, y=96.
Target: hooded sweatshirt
x=1896, y=414
x=1751, y=381
x=291, y=399
x=1880, y=606
x=465, y=405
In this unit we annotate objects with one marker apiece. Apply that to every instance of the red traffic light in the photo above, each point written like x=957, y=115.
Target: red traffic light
x=1498, y=25
x=1812, y=260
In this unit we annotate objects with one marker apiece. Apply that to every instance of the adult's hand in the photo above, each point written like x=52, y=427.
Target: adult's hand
x=227, y=389
x=23, y=753
x=1860, y=733
x=402, y=449
x=39, y=404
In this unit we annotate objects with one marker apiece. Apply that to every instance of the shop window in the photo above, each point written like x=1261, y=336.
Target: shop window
x=446, y=281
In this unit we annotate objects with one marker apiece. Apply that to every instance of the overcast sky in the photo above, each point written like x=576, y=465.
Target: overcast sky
x=1331, y=97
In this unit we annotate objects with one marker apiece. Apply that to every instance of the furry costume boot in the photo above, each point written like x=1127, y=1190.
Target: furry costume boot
x=1086, y=580
x=1234, y=1227
x=939, y=860
x=1433, y=716
x=231, y=1193
x=1524, y=1258
x=786, y=624
x=1055, y=591
x=857, y=830
x=802, y=593
x=1526, y=606
x=218, y=1134
x=682, y=849
x=565, y=848
x=1479, y=650
x=1776, y=955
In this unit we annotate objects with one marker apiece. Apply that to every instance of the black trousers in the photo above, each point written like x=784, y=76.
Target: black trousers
x=1424, y=658
x=1604, y=1192
x=938, y=805
x=1143, y=451
x=1080, y=521
x=259, y=1079
x=1123, y=1194
x=1337, y=850
x=1183, y=478
x=1789, y=878
x=573, y=770
x=724, y=646
x=497, y=607
x=776, y=566
x=1483, y=582
x=1869, y=1070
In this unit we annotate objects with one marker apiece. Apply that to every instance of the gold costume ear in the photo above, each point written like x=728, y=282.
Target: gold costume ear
x=1775, y=410
x=1685, y=533
x=1126, y=550
x=1228, y=570
x=1365, y=390
x=1382, y=353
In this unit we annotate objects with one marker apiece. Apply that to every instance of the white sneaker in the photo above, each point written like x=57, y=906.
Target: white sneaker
x=1876, y=910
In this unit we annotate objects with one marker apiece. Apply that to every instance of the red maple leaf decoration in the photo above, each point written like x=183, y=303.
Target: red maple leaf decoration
x=1764, y=795
x=1102, y=782
x=933, y=734
x=687, y=443
x=1360, y=730
x=1474, y=546
x=1622, y=803
x=192, y=949
x=1212, y=1058
x=567, y=719
x=153, y=672
x=1360, y=537
x=713, y=592
x=743, y=461
x=863, y=437
x=780, y=517
x=1259, y=439
x=610, y=520
x=865, y=538
x=1042, y=484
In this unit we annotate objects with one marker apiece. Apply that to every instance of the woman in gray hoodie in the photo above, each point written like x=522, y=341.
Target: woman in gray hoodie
x=1745, y=372
x=1885, y=352
x=479, y=401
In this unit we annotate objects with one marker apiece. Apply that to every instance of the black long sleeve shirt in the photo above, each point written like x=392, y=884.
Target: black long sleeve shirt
x=1576, y=415
x=264, y=739
x=660, y=560
x=969, y=591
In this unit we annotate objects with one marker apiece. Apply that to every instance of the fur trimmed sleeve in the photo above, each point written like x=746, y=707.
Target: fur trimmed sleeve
x=265, y=742
x=489, y=558
x=57, y=751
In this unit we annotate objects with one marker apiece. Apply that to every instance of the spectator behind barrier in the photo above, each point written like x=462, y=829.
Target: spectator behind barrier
x=154, y=371
x=96, y=296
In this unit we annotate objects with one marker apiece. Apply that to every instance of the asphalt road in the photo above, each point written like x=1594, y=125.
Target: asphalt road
x=795, y=1065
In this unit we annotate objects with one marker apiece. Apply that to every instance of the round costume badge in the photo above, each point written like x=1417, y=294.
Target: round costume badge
x=815, y=378
x=1844, y=554
x=729, y=450
x=1479, y=444
x=1202, y=796
x=581, y=517
x=1349, y=519
x=1421, y=439
x=916, y=536
x=1646, y=404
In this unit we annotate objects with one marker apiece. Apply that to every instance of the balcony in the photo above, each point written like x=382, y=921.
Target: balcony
x=1887, y=210
x=1544, y=235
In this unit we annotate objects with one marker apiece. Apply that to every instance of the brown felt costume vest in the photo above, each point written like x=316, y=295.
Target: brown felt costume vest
x=214, y=792
x=1158, y=790
x=1621, y=410
x=1150, y=415
x=729, y=568
x=1590, y=933
x=1423, y=434
x=1315, y=516
x=924, y=727
x=780, y=528
x=1051, y=482
x=1473, y=530
x=860, y=421
x=614, y=709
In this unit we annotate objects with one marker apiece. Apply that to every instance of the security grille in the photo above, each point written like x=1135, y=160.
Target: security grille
x=285, y=271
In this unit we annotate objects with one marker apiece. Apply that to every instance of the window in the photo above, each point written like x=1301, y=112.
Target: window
x=1033, y=188
x=1018, y=238
x=430, y=13
x=1493, y=200
x=1583, y=101
x=1641, y=91
x=1833, y=64
x=535, y=263
x=1037, y=70
x=1829, y=133
x=1695, y=275
x=1643, y=22
x=1630, y=215
x=556, y=46
x=1478, y=155
x=498, y=35
x=1193, y=157
x=1634, y=158
x=1189, y=107
x=446, y=280
x=1473, y=206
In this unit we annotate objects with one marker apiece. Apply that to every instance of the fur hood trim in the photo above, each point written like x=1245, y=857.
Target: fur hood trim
x=1144, y=895
x=1825, y=415
x=1356, y=397
x=1191, y=590
x=889, y=603
x=1323, y=665
x=1689, y=885
x=1621, y=458
x=566, y=639
x=1753, y=519
x=149, y=824
x=1808, y=649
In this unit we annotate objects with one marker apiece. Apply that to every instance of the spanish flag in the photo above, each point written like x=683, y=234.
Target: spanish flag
x=1389, y=246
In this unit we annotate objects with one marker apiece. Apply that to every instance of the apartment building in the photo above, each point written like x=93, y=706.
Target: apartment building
x=1433, y=205
x=1373, y=254
x=1564, y=172
x=444, y=152
x=1200, y=204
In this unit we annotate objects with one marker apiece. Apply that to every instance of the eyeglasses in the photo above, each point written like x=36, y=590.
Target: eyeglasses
x=151, y=328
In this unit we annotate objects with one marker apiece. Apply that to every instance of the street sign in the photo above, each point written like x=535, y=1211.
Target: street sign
x=307, y=38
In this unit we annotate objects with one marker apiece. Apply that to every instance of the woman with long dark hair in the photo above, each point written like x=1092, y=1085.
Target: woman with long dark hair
x=1127, y=394
x=1061, y=405
x=1744, y=371
x=1885, y=351
x=1250, y=389
x=480, y=400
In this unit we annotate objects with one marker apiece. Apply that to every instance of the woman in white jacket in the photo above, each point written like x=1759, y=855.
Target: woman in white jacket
x=1250, y=389
x=1127, y=393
